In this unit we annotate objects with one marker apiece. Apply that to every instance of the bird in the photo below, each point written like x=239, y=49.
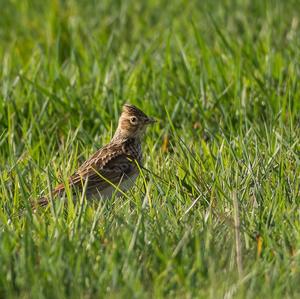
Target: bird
x=113, y=169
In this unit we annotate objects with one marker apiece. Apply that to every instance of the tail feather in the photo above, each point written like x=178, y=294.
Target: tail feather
x=39, y=203
x=45, y=201
x=42, y=202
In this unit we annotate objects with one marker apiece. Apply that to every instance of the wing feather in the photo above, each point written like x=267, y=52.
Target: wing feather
x=107, y=166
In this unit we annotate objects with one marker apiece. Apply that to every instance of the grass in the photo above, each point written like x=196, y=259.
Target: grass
x=222, y=77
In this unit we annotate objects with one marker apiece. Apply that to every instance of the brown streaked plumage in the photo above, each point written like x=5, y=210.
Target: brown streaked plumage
x=114, y=167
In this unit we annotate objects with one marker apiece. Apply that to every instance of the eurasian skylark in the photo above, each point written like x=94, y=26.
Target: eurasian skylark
x=114, y=168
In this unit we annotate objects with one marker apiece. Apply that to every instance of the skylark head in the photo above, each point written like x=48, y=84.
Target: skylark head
x=132, y=122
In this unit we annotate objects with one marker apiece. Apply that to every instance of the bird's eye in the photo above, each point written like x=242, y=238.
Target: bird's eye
x=133, y=120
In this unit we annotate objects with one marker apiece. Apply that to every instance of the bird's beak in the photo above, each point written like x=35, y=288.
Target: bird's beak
x=150, y=121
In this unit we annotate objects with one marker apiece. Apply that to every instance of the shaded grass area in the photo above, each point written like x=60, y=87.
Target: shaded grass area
x=222, y=79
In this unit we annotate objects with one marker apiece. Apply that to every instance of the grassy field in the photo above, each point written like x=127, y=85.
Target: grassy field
x=217, y=214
